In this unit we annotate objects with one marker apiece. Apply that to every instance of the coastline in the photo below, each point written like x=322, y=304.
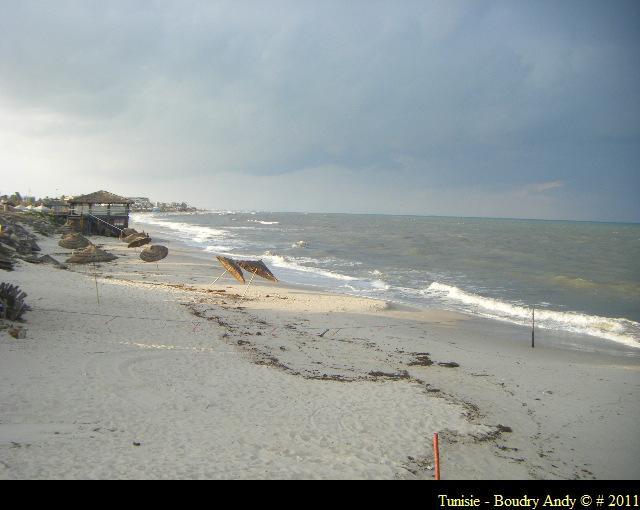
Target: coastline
x=290, y=383
x=605, y=338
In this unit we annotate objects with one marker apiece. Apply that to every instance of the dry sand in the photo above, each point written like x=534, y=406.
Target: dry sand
x=171, y=377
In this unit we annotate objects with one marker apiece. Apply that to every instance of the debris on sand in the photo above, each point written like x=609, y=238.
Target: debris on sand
x=421, y=359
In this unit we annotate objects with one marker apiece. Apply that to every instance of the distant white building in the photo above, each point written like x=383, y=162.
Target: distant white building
x=140, y=203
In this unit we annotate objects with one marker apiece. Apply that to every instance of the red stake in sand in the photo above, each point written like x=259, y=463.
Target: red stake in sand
x=436, y=456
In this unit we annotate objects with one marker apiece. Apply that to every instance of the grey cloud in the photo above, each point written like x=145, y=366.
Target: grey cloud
x=444, y=94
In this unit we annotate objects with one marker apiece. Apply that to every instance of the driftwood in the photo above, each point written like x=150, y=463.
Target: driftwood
x=12, y=302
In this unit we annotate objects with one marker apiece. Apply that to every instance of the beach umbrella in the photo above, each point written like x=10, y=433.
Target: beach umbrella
x=126, y=232
x=231, y=266
x=139, y=241
x=154, y=253
x=74, y=241
x=257, y=267
x=132, y=237
x=91, y=254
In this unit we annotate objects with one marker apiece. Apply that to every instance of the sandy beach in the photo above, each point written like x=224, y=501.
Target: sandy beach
x=137, y=370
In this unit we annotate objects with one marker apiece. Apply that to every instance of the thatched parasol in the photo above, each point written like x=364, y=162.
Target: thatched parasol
x=139, y=241
x=154, y=253
x=231, y=266
x=132, y=237
x=257, y=267
x=91, y=254
x=126, y=232
x=74, y=242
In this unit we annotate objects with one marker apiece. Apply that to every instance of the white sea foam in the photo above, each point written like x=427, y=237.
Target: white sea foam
x=264, y=222
x=618, y=330
x=196, y=233
x=296, y=264
x=219, y=249
x=379, y=285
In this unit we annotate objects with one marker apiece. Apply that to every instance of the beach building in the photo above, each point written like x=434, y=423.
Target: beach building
x=94, y=214
x=141, y=203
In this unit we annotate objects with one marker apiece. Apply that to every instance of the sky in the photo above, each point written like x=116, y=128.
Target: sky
x=526, y=109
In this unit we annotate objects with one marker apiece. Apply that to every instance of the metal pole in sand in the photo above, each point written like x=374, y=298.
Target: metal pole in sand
x=95, y=277
x=533, y=326
x=214, y=281
x=436, y=456
x=253, y=275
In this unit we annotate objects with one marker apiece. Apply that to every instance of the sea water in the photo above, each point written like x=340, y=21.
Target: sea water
x=581, y=277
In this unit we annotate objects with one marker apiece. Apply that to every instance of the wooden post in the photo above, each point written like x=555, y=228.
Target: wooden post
x=436, y=456
x=533, y=326
x=95, y=277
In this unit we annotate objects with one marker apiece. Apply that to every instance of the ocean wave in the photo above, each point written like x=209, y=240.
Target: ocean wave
x=199, y=234
x=619, y=330
x=296, y=264
x=262, y=222
x=379, y=285
x=219, y=249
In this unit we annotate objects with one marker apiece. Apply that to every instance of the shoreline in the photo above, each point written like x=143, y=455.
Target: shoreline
x=290, y=383
x=574, y=341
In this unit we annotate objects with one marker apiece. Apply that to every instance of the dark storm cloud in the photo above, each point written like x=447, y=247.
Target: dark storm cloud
x=495, y=97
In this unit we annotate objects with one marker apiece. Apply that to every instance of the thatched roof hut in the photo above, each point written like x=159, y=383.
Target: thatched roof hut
x=100, y=213
x=100, y=197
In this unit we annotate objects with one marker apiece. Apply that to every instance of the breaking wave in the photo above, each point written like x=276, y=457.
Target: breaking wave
x=184, y=231
x=264, y=222
x=297, y=264
x=620, y=330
